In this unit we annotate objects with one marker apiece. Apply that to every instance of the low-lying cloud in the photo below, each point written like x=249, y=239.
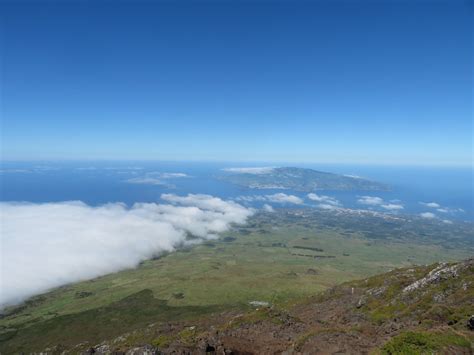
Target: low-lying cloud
x=326, y=206
x=156, y=178
x=284, y=198
x=323, y=199
x=376, y=201
x=267, y=208
x=256, y=170
x=275, y=198
x=146, y=181
x=441, y=209
x=430, y=204
x=51, y=244
x=173, y=175
x=370, y=200
x=392, y=206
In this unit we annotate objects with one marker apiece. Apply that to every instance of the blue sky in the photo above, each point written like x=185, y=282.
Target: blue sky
x=343, y=81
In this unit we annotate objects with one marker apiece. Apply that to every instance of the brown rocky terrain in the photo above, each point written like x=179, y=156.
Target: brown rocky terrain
x=426, y=309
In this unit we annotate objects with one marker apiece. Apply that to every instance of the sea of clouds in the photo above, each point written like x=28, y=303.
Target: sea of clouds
x=51, y=244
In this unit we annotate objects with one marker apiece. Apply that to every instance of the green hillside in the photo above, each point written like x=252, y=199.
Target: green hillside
x=277, y=258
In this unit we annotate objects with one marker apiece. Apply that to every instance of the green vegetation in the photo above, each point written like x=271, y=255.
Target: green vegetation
x=253, y=263
x=133, y=312
x=162, y=341
x=415, y=343
x=388, y=301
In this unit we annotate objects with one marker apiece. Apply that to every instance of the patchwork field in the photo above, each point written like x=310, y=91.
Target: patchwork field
x=277, y=258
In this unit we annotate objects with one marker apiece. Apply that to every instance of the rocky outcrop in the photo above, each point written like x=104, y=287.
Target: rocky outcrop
x=470, y=322
x=442, y=272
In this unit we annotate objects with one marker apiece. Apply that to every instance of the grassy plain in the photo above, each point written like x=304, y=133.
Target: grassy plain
x=270, y=259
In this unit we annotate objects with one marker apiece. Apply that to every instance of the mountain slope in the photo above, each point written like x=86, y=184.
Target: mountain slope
x=415, y=310
x=406, y=311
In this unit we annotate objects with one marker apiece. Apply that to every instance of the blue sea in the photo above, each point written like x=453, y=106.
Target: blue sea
x=448, y=189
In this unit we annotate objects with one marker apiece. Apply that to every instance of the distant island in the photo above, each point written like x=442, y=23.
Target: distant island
x=298, y=179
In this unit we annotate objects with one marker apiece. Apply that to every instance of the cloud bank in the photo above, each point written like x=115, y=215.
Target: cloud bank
x=52, y=244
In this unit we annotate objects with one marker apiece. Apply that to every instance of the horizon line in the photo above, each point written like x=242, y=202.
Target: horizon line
x=286, y=162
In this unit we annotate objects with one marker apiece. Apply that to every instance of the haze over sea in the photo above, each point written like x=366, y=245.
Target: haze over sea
x=447, y=190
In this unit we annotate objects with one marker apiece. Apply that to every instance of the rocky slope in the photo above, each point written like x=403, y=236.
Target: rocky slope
x=419, y=310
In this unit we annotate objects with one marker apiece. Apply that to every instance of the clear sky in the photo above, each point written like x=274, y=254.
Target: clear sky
x=316, y=81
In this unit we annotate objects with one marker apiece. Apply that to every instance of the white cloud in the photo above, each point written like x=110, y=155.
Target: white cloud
x=284, y=198
x=449, y=210
x=161, y=175
x=392, y=206
x=428, y=215
x=51, y=244
x=145, y=181
x=370, y=200
x=430, y=204
x=251, y=198
x=275, y=198
x=323, y=199
x=173, y=175
x=155, y=178
x=326, y=206
x=258, y=170
x=268, y=208
x=447, y=221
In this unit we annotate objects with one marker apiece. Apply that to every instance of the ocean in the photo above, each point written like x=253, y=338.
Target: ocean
x=445, y=192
